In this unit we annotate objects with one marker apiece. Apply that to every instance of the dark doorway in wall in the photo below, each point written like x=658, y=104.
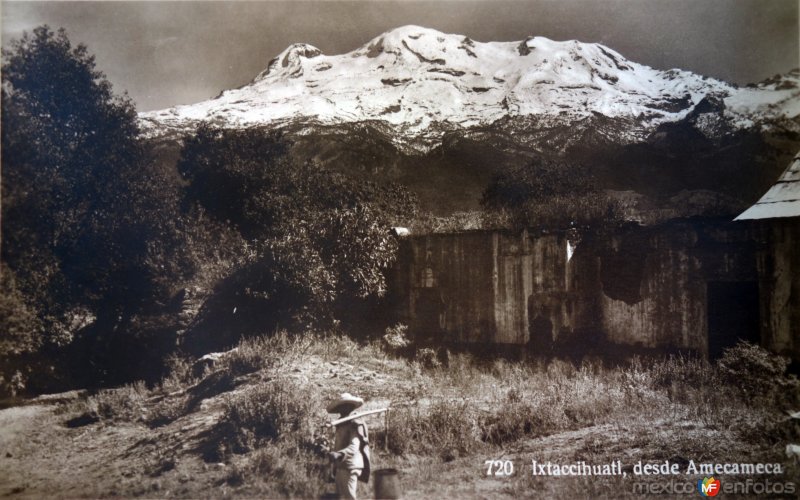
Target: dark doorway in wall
x=540, y=328
x=430, y=308
x=732, y=315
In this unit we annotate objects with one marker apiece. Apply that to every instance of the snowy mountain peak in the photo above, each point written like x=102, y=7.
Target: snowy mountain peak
x=421, y=82
x=289, y=62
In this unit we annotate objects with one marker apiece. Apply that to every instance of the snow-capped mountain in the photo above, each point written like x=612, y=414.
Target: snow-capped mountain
x=442, y=113
x=422, y=83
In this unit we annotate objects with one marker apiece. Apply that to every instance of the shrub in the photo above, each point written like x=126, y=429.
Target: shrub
x=448, y=429
x=680, y=370
x=276, y=422
x=396, y=336
x=286, y=471
x=270, y=351
x=427, y=358
x=514, y=420
x=455, y=222
x=124, y=403
x=759, y=374
x=21, y=327
x=179, y=373
x=13, y=386
x=252, y=354
x=319, y=238
x=270, y=411
x=558, y=369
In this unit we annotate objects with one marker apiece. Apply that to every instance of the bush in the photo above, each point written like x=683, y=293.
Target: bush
x=179, y=373
x=22, y=330
x=427, y=358
x=680, y=370
x=271, y=411
x=396, y=338
x=125, y=403
x=252, y=354
x=269, y=351
x=448, y=429
x=759, y=374
x=13, y=386
x=320, y=239
x=285, y=471
x=275, y=421
x=514, y=420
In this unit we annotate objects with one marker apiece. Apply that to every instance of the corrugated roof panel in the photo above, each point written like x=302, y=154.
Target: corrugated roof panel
x=782, y=191
x=793, y=172
x=771, y=210
x=781, y=200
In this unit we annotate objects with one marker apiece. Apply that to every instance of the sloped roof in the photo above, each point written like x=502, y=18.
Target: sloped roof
x=782, y=199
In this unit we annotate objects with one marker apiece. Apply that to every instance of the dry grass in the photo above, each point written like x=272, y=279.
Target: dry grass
x=277, y=410
x=125, y=403
x=648, y=409
x=449, y=417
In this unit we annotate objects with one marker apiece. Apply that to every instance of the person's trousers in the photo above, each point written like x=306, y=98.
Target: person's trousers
x=347, y=482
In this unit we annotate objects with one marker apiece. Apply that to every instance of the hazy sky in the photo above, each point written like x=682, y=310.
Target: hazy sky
x=167, y=53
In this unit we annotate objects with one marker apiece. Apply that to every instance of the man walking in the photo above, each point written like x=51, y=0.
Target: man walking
x=351, y=447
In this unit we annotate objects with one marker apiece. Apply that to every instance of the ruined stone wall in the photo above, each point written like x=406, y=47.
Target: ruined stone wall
x=779, y=273
x=666, y=286
x=654, y=281
x=482, y=286
x=650, y=296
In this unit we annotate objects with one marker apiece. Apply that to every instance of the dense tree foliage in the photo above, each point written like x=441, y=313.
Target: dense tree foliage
x=550, y=194
x=103, y=240
x=320, y=241
x=87, y=229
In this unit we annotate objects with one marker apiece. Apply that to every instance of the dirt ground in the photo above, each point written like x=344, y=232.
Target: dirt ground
x=40, y=456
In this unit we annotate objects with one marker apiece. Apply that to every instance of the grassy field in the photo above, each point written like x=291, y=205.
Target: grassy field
x=251, y=424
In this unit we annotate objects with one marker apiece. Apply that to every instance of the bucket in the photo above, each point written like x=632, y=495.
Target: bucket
x=387, y=484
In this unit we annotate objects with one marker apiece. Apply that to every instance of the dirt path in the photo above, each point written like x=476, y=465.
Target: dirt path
x=40, y=456
x=129, y=459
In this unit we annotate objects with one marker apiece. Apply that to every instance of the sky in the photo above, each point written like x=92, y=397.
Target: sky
x=181, y=52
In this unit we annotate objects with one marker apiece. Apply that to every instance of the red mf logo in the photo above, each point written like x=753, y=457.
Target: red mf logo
x=708, y=486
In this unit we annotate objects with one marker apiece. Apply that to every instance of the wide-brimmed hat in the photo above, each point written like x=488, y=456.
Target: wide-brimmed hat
x=345, y=401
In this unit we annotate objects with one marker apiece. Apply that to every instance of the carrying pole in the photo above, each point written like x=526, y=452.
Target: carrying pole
x=355, y=416
x=386, y=430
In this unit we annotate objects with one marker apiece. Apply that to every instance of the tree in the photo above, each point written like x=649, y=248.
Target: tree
x=328, y=264
x=320, y=240
x=249, y=179
x=549, y=194
x=86, y=223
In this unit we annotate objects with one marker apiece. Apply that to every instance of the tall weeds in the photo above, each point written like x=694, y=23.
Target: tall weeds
x=268, y=431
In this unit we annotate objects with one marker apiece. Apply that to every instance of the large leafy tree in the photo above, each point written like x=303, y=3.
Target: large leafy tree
x=86, y=231
x=320, y=240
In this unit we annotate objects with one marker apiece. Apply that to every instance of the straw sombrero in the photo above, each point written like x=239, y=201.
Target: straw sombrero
x=345, y=401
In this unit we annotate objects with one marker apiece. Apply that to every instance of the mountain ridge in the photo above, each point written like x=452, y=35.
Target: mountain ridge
x=442, y=113
x=423, y=82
